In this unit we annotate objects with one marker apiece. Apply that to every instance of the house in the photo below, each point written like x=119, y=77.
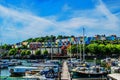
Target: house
x=35, y=45
x=112, y=37
x=17, y=45
x=100, y=37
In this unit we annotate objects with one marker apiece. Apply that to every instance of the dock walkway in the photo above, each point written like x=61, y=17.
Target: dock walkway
x=65, y=75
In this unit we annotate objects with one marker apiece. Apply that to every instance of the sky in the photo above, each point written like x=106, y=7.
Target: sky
x=23, y=19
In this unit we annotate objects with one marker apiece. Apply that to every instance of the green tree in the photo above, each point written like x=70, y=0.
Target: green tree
x=72, y=49
x=12, y=51
x=3, y=54
x=23, y=53
x=59, y=37
x=27, y=52
x=101, y=49
x=118, y=49
x=23, y=47
x=45, y=52
x=38, y=52
x=92, y=48
x=29, y=40
x=52, y=38
x=108, y=50
x=46, y=38
x=6, y=47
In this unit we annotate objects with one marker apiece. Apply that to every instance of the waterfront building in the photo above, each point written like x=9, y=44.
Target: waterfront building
x=34, y=45
x=111, y=37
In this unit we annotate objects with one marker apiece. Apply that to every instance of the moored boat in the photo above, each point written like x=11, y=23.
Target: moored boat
x=14, y=62
x=3, y=65
x=20, y=70
x=50, y=69
x=34, y=75
x=91, y=72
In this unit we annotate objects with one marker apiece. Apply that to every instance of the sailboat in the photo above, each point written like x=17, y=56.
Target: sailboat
x=86, y=70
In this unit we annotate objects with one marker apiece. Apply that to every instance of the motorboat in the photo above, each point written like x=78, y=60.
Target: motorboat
x=20, y=70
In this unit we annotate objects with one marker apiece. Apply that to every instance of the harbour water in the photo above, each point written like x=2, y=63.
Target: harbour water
x=5, y=74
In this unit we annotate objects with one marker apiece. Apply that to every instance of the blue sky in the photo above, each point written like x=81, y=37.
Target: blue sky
x=23, y=19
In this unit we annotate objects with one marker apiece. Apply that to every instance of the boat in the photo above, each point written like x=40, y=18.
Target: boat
x=44, y=70
x=34, y=75
x=91, y=72
x=14, y=62
x=3, y=64
x=115, y=69
x=50, y=70
x=33, y=61
x=20, y=70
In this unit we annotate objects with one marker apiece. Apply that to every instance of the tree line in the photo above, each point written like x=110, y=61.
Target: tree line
x=95, y=49
x=15, y=52
x=47, y=38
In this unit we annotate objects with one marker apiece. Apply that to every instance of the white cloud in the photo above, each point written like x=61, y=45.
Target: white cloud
x=31, y=25
x=66, y=7
x=97, y=20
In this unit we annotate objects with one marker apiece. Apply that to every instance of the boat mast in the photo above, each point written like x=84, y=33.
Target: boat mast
x=77, y=48
x=0, y=55
x=70, y=50
x=51, y=49
x=83, y=44
x=80, y=49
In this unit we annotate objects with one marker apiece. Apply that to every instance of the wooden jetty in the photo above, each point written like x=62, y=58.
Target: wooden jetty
x=65, y=75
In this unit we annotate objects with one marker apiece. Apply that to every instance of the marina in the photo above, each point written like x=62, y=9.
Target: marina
x=53, y=67
x=48, y=70
x=59, y=39
x=53, y=70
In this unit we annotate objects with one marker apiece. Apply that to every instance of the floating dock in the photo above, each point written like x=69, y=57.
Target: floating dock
x=65, y=75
